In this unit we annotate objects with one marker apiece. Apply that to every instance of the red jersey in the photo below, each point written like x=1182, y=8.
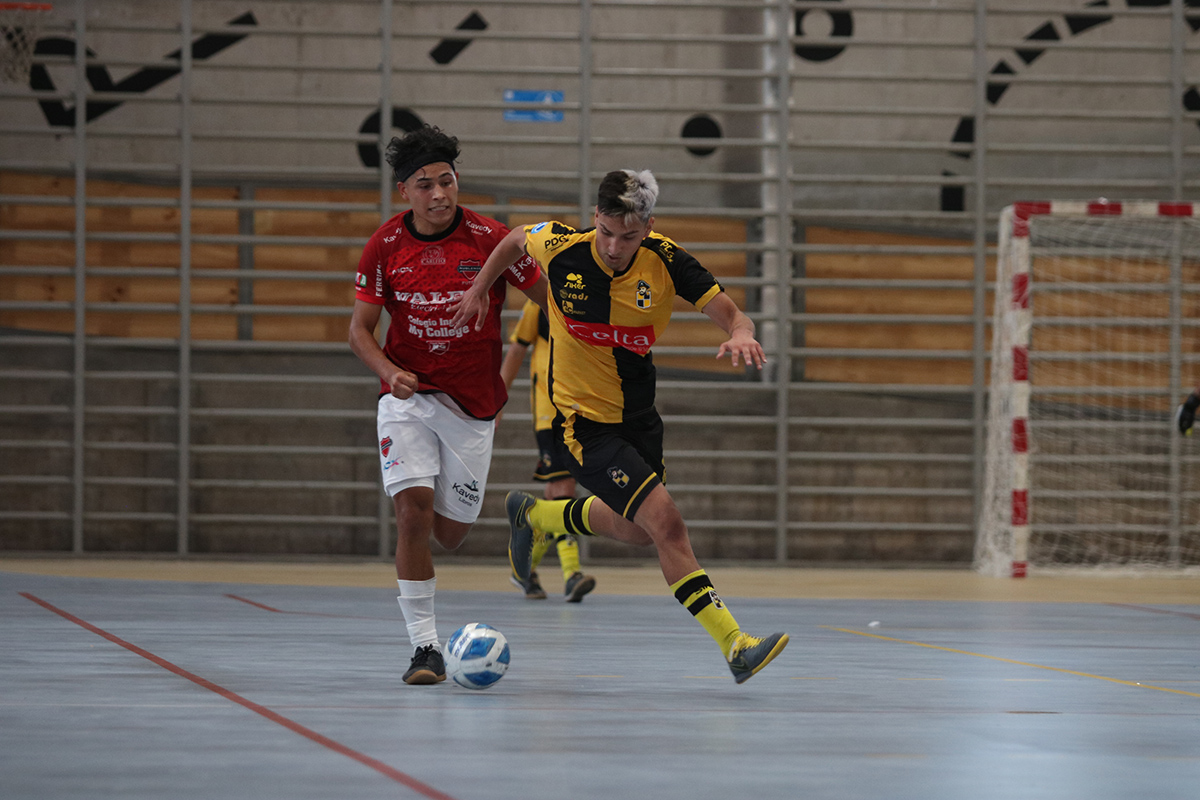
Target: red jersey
x=416, y=278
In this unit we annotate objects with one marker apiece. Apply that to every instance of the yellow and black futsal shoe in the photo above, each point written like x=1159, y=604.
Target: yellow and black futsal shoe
x=749, y=654
x=520, y=537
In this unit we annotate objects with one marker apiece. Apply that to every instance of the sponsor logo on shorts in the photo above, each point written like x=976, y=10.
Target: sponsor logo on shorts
x=467, y=492
x=385, y=444
x=618, y=476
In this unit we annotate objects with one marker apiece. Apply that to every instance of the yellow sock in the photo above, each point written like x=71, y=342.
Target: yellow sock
x=541, y=543
x=696, y=593
x=561, y=516
x=568, y=555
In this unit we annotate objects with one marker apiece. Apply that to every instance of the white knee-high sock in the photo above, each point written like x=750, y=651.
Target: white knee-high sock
x=416, y=603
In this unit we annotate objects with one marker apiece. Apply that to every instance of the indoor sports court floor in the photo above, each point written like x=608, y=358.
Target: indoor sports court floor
x=189, y=679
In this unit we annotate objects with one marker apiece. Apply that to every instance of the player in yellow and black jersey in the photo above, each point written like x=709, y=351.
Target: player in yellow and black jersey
x=610, y=296
x=532, y=335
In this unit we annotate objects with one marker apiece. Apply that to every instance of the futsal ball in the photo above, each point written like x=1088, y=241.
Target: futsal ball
x=476, y=656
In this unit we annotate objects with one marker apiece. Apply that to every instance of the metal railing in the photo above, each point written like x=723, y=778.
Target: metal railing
x=854, y=160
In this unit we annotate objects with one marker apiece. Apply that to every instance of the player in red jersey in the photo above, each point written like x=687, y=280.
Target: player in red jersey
x=440, y=384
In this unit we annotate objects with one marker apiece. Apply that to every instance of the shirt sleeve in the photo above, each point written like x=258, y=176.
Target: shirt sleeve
x=524, y=273
x=545, y=239
x=368, y=281
x=692, y=281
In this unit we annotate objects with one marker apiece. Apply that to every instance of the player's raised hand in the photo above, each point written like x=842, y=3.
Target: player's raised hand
x=744, y=346
x=472, y=306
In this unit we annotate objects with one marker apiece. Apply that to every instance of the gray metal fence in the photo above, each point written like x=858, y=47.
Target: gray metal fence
x=173, y=200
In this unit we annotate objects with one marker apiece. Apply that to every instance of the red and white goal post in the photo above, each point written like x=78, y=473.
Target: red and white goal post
x=1095, y=337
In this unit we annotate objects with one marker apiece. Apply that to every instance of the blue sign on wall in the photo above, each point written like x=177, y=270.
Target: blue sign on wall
x=548, y=114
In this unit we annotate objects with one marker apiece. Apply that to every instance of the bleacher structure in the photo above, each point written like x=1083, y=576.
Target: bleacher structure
x=183, y=203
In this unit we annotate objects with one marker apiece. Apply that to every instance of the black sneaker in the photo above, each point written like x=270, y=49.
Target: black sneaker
x=577, y=586
x=427, y=666
x=520, y=538
x=749, y=654
x=532, y=588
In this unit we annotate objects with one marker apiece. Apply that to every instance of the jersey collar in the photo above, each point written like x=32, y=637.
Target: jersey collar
x=437, y=237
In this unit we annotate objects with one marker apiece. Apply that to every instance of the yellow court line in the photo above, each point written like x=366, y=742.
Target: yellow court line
x=1012, y=661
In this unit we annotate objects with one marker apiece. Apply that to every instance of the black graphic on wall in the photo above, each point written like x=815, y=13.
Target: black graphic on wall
x=449, y=49
x=60, y=115
x=701, y=126
x=1070, y=24
x=842, y=26
x=405, y=119
x=402, y=118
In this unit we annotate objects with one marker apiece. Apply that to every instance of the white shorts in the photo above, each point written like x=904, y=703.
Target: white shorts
x=427, y=440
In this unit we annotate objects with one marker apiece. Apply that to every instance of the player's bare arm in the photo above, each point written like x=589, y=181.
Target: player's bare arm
x=538, y=292
x=474, y=302
x=403, y=384
x=741, y=343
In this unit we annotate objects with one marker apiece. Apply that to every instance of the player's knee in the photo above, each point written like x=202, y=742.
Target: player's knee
x=450, y=534
x=663, y=522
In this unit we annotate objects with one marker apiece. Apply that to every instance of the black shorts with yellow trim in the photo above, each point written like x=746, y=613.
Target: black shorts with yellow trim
x=621, y=462
x=553, y=464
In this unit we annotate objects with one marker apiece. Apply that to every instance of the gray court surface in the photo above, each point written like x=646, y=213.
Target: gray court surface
x=141, y=689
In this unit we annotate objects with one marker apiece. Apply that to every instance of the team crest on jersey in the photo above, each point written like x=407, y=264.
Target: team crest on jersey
x=618, y=477
x=433, y=256
x=385, y=444
x=439, y=347
x=469, y=267
x=643, y=294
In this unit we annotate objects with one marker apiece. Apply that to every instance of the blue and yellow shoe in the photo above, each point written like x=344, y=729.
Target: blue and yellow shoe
x=749, y=654
x=520, y=537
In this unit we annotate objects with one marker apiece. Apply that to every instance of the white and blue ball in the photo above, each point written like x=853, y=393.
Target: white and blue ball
x=476, y=656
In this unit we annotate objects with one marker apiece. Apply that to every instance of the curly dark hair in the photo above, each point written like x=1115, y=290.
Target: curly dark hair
x=426, y=145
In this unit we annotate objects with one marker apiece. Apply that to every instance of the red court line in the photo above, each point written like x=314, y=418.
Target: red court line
x=1155, y=610
x=273, y=610
x=263, y=606
x=263, y=711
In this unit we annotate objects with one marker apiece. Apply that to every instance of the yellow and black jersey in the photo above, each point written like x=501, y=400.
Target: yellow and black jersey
x=533, y=331
x=603, y=323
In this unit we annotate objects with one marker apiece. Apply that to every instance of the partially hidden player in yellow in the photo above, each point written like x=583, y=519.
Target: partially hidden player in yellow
x=532, y=335
x=610, y=297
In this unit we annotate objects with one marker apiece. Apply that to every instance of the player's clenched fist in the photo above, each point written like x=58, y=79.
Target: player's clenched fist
x=403, y=385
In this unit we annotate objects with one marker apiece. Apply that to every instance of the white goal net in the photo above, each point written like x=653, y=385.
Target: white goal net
x=1097, y=313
